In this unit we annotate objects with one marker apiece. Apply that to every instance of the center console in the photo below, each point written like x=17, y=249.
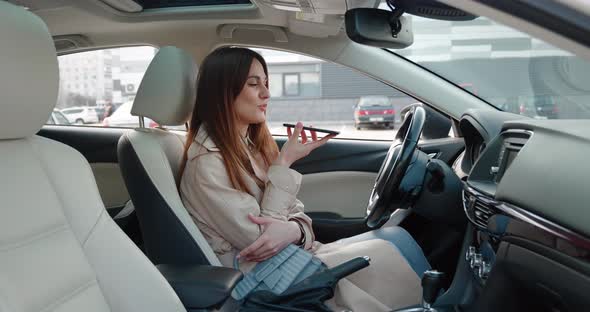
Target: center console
x=202, y=287
x=479, y=204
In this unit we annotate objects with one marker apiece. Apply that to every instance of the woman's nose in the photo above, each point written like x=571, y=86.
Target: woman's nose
x=265, y=93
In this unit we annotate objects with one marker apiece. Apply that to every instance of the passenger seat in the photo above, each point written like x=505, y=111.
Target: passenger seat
x=150, y=161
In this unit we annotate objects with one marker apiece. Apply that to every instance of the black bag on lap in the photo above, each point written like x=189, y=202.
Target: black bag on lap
x=308, y=295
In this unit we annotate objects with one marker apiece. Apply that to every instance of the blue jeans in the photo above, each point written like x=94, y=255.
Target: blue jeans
x=402, y=241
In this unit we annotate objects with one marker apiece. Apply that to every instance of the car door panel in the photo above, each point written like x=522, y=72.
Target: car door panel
x=340, y=194
x=110, y=185
x=342, y=172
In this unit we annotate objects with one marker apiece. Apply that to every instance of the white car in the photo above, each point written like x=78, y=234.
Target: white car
x=81, y=115
x=122, y=118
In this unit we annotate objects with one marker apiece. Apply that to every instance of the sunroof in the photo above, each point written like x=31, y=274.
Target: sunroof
x=155, y=4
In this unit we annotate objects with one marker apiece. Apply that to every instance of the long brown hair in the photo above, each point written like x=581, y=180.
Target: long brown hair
x=221, y=78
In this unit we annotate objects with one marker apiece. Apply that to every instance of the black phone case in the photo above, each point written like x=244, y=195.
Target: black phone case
x=312, y=129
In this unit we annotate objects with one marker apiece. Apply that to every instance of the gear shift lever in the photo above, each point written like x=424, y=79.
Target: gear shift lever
x=432, y=282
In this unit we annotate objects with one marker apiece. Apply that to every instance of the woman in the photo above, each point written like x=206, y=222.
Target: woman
x=240, y=192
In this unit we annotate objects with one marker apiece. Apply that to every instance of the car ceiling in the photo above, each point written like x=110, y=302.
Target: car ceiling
x=103, y=25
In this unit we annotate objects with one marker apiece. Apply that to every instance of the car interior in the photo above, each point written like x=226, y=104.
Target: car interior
x=92, y=219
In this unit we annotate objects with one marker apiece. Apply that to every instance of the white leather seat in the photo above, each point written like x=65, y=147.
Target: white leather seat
x=150, y=161
x=59, y=249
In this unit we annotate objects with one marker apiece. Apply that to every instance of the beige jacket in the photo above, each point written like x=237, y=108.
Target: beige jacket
x=221, y=213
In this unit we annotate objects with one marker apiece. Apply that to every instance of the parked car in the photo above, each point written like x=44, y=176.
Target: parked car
x=374, y=110
x=81, y=114
x=537, y=107
x=100, y=113
x=545, y=106
x=122, y=118
x=57, y=118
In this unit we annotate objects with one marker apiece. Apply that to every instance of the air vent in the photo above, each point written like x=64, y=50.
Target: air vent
x=440, y=12
x=479, y=208
x=481, y=213
x=157, y=4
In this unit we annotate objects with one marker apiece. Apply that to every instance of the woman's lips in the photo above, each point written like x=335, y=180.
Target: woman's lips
x=262, y=107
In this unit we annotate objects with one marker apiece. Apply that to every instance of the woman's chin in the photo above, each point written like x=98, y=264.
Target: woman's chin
x=259, y=120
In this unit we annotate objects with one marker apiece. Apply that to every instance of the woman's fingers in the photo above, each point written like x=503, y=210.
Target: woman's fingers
x=264, y=251
x=260, y=220
x=314, y=135
x=289, y=132
x=264, y=255
x=251, y=250
x=267, y=253
x=297, y=132
x=315, y=144
x=303, y=137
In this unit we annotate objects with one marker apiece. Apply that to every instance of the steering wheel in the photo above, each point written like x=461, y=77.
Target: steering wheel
x=387, y=195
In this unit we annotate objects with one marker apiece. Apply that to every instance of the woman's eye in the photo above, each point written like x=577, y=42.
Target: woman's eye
x=253, y=84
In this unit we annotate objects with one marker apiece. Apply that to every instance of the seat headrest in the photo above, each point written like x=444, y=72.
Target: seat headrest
x=29, y=74
x=167, y=92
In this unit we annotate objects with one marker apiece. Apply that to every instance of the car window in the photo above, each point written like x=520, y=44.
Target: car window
x=60, y=119
x=50, y=121
x=94, y=84
x=72, y=111
x=330, y=96
x=522, y=74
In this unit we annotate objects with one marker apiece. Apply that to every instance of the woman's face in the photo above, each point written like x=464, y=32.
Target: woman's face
x=251, y=103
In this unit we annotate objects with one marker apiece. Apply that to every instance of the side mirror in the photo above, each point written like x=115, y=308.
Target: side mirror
x=379, y=28
x=436, y=125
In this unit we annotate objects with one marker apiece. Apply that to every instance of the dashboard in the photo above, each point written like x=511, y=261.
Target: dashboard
x=526, y=194
x=537, y=165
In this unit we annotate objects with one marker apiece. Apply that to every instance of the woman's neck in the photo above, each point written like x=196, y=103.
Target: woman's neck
x=243, y=131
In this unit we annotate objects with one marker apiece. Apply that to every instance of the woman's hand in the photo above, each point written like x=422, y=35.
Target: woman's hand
x=275, y=237
x=293, y=150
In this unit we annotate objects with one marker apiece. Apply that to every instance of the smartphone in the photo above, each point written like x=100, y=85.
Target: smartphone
x=288, y=125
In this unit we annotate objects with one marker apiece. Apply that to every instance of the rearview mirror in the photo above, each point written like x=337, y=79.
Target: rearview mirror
x=379, y=28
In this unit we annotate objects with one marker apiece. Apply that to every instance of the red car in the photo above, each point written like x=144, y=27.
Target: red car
x=374, y=111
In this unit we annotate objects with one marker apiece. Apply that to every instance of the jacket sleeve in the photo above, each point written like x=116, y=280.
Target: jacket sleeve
x=223, y=208
x=280, y=199
x=280, y=192
x=296, y=213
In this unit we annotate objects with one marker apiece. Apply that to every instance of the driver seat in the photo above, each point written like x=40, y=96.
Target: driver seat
x=59, y=248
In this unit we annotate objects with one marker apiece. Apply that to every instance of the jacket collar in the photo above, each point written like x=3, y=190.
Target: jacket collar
x=203, y=138
x=201, y=144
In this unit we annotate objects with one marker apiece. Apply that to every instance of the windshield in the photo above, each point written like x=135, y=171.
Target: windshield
x=505, y=67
